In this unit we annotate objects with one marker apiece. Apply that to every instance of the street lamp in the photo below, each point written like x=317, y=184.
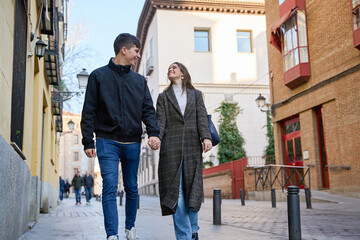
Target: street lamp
x=60, y=96
x=71, y=125
x=261, y=102
x=83, y=78
x=40, y=48
x=212, y=157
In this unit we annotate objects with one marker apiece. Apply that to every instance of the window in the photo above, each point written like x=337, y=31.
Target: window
x=201, y=40
x=76, y=139
x=76, y=156
x=244, y=41
x=289, y=36
x=294, y=41
x=356, y=22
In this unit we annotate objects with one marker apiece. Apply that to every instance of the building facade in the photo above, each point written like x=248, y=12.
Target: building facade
x=223, y=45
x=29, y=118
x=314, y=64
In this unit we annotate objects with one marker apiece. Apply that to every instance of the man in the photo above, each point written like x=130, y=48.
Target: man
x=77, y=182
x=88, y=185
x=67, y=188
x=117, y=100
x=61, y=188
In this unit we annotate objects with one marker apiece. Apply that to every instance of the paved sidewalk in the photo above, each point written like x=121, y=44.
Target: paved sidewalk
x=256, y=220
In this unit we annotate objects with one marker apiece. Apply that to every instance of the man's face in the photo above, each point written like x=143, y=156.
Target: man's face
x=132, y=55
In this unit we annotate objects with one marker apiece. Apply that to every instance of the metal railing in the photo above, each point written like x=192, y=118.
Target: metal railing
x=267, y=175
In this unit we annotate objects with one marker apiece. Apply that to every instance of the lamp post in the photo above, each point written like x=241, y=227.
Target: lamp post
x=62, y=96
x=261, y=102
x=212, y=157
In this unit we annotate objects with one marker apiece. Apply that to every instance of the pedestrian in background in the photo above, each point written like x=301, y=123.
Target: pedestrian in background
x=184, y=135
x=61, y=188
x=117, y=101
x=88, y=185
x=67, y=188
x=77, y=182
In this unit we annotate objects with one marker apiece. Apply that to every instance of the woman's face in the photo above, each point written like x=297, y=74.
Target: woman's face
x=174, y=72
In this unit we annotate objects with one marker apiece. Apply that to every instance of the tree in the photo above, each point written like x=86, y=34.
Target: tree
x=231, y=144
x=269, y=150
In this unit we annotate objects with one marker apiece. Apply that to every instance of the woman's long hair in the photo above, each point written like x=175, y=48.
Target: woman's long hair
x=186, y=80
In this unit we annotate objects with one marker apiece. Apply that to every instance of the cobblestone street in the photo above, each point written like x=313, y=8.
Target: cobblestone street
x=255, y=220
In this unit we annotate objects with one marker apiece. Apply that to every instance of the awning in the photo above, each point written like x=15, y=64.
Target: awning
x=275, y=35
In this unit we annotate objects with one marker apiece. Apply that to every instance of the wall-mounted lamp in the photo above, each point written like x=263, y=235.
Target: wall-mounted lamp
x=83, y=77
x=40, y=46
x=261, y=102
x=71, y=125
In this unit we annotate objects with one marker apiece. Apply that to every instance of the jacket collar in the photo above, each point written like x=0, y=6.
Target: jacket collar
x=190, y=100
x=118, y=68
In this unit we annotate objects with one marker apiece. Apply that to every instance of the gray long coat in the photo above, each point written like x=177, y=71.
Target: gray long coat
x=181, y=140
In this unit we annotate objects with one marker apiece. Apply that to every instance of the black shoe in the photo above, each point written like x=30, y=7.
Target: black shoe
x=195, y=236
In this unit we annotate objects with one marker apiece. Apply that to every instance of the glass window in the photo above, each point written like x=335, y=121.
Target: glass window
x=243, y=41
x=298, y=151
x=76, y=156
x=290, y=150
x=201, y=39
x=293, y=127
x=76, y=139
x=356, y=14
x=294, y=41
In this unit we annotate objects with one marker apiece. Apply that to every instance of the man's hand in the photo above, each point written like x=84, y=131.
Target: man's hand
x=154, y=143
x=90, y=152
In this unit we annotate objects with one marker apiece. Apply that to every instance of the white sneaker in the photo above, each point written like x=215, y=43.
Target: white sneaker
x=131, y=234
x=112, y=237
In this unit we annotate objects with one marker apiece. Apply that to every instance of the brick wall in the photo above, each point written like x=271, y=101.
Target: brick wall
x=221, y=180
x=334, y=63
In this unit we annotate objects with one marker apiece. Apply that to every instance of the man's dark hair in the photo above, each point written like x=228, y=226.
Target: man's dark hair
x=127, y=40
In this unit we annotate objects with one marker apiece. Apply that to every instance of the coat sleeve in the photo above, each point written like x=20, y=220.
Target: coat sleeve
x=89, y=113
x=160, y=114
x=148, y=114
x=202, y=120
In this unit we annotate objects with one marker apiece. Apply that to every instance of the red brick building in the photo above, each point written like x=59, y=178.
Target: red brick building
x=314, y=65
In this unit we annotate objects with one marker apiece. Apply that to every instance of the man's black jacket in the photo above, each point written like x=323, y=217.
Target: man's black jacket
x=88, y=181
x=117, y=100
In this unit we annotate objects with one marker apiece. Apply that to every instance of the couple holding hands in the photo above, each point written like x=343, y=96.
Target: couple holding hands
x=117, y=101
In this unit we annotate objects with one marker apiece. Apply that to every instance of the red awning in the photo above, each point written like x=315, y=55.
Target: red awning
x=275, y=35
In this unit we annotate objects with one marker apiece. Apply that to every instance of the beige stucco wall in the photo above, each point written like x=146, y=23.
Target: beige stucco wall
x=6, y=59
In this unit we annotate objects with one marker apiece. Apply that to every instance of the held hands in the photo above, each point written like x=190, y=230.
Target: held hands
x=90, y=152
x=207, y=145
x=154, y=143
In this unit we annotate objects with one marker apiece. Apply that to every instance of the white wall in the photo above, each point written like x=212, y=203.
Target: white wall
x=173, y=40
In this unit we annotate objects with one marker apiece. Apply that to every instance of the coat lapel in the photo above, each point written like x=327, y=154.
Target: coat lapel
x=190, y=100
x=172, y=99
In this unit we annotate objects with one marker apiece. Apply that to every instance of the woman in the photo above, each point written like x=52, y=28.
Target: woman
x=184, y=134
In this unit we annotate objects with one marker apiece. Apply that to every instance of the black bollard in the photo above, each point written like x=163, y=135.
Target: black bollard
x=308, y=198
x=217, y=207
x=273, y=198
x=121, y=198
x=293, y=205
x=138, y=201
x=242, y=197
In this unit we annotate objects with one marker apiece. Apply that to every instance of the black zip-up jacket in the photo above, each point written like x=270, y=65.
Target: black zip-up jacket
x=117, y=100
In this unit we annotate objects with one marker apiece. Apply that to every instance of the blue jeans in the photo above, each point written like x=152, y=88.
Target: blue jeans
x=109, y=152
x=88, y=191
x=185, y=220
x=78, y=194
x=61, y=196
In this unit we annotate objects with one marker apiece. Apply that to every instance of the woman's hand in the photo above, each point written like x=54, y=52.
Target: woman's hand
x=207, y=145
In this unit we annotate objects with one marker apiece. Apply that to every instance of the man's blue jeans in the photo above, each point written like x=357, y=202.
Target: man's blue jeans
x=78, y=194
x=61, y=196
x=109, y=152
x=185, y=219
x=88, y=191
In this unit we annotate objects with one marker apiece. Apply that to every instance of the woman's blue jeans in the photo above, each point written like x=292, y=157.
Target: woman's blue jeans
x=185, y=219
x=109, y=153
